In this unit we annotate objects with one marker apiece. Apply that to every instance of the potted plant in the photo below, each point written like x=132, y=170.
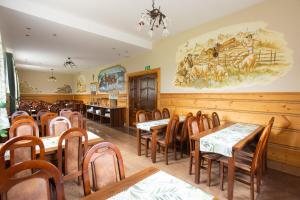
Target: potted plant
x=3, y=136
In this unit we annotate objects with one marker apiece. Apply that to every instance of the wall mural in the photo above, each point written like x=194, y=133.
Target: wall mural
x=25, y=87
x=112, y=78
x=64, y=89
x=239, y=55
x=81, y=83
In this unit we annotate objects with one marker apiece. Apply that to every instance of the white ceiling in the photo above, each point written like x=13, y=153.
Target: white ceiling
x=88, y=30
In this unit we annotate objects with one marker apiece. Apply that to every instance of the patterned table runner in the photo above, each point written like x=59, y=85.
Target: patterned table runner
x=52, y=142
x=222, y=141
x=4, y=122
x=146, y=126
x=162, y=186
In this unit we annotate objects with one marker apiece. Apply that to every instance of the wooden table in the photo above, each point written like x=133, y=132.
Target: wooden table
x=51, y=143
x=231, y=160
x=145, y=178
x=155, y=129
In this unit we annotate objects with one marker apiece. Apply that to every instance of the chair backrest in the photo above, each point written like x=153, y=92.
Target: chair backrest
x=261, y=145
x=58, y=125
x=204, y=123
x=18, y=113
x=184, y=129
x=73, y=152
x=156, y=114
x=102, y=165
x=65, y=113
x=172, y=129
x=165, y=113
x=45, y=122
x=33, y=186
x=198, y=114
x=215, y=119
x=40, y=114
x=76, y=120
x=24, y=127
x=193, y=128
x=21, y=117
x=141, y=116
x=20, y=149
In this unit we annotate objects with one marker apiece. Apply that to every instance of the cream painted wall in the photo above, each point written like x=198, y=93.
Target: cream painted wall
x=280, y=15
x=39, y=80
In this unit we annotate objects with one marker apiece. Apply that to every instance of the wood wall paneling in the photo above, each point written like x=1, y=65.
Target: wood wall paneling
x=258, y=108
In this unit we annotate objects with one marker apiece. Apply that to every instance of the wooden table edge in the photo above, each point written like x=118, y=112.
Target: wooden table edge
x=115, y=188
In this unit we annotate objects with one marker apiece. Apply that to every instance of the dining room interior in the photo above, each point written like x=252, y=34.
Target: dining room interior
x=149, y=99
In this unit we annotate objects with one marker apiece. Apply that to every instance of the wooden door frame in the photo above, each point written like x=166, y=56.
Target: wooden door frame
x=142, y=73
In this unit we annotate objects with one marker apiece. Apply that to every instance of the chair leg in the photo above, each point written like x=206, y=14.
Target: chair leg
x=191, y=164
x=181, y=149
x=158, y=150
x=166, y=154
x=258, y=180
x=175, y=150
x=252, y=186
x=209, y=163
x=147, y=147
x=221, y=175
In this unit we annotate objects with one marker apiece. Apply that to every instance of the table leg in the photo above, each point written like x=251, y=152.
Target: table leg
x=197, y=162
x=153, y=146
x=231, y=174
x=138, y=136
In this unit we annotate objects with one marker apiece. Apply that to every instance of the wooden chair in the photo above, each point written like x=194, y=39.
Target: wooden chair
x=141, y=116
x=103, y=164
x=165, y=113
x=168, y=139
x=58, y=125
x=183, y=134
x=65, y=113
x=24, y=127
x=33, y=186
x=18, y=113
x=252, y=168
x=215, y=119
x=45, y=122
x=55, y=108
x=20, y=149
x=156, y=114
x=76, y=120
x=198, y=114
x=21, y=117
x=71, y=165
x=40, y=113
x=204, y=123
x=194, y=127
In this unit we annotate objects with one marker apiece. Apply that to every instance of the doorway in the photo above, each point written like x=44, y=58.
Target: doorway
x=143, y=92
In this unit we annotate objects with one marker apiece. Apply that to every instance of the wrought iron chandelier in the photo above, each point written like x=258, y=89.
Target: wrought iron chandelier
x=69, y=63
x=52, y=78
x=154, y=18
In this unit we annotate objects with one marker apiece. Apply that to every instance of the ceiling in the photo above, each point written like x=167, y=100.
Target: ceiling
x=94, y=33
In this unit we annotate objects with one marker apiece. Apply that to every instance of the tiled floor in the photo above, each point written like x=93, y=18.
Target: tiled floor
x=276, y=185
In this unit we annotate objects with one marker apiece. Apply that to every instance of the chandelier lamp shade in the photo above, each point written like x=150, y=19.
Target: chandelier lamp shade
x=154, y=19
x=69, y=63
x=52, y=78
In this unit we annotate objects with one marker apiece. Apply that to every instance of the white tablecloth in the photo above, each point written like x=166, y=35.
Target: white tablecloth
x=52, y=142
x=222, y=141
x=162, y=186
x=146, y=126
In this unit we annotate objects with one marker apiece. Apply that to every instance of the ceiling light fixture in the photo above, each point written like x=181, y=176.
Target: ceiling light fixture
x=69, y=63
x=154, y=18
x=52, y=78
